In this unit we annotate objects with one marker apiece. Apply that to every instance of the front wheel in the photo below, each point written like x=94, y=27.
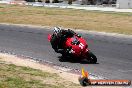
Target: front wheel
x=91, y=57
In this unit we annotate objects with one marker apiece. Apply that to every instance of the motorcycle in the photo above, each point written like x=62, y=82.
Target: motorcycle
x=77, y=48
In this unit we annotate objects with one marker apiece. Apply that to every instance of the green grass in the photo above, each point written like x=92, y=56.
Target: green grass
x=69, y=18
x=12, y=76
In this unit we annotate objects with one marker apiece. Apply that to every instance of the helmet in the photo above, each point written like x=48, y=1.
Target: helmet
x=57, y=29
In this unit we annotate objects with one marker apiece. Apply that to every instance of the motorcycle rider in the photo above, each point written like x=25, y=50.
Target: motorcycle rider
x=59, y=37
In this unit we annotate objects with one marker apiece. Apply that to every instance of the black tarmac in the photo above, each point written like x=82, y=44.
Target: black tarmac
x=114, y=53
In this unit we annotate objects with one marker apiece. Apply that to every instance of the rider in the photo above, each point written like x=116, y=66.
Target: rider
x=59, y=37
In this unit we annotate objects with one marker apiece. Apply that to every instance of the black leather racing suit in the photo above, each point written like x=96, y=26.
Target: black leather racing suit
x=58, y=40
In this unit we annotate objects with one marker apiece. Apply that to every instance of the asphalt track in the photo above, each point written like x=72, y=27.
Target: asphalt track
x=114, y=53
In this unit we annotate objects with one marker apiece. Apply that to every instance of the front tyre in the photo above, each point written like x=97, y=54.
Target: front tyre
x=91, y=57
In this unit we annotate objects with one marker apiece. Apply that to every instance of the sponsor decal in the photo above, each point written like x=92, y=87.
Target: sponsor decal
x=86, y=81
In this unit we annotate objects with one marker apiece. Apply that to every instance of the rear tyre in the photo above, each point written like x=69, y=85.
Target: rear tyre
x=91, y=57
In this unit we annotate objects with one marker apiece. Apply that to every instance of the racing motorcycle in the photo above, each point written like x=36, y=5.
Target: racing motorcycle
x=77, y=48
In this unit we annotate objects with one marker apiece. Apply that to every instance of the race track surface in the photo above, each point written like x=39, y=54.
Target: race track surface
x=114, y=54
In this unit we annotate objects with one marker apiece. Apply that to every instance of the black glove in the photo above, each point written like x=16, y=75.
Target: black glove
x=78, y=35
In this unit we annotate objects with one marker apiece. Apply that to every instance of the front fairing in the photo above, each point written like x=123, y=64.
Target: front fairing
x=79, y=48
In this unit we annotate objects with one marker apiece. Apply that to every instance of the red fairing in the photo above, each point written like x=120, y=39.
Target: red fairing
x=80, y=49
x=49, y=37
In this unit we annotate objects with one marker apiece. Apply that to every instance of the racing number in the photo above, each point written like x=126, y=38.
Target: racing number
x=81, y=45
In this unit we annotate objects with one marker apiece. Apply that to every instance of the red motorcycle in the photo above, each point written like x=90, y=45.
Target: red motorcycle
x=78, y=48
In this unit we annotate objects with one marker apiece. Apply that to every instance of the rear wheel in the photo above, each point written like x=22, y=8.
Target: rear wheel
x=91, y=57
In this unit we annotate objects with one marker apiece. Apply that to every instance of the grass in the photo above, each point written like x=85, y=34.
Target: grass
x=12, y=76
x=70, y=18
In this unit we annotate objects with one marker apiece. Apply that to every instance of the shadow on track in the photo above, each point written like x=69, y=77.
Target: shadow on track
x=74, y=60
